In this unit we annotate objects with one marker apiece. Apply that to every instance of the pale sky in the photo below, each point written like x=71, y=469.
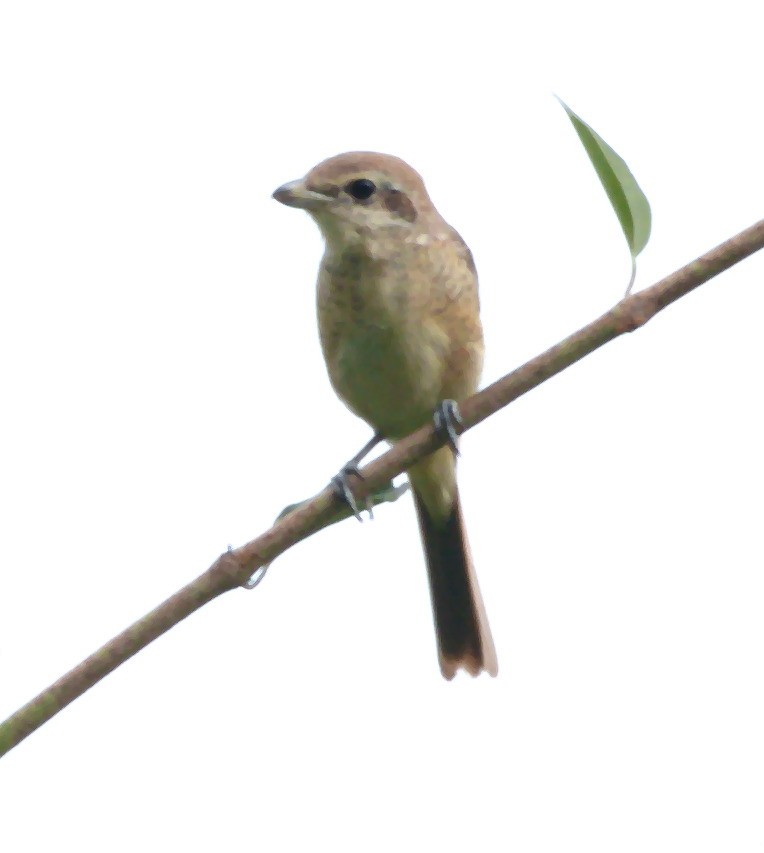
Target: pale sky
x=164, y=395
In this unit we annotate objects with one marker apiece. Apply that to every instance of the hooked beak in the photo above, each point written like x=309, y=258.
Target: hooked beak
x=296, y=194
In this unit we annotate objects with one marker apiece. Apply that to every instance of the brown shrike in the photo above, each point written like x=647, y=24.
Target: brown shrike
x=398, y=316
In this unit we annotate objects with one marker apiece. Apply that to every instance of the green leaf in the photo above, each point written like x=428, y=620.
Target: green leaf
x=628, y=200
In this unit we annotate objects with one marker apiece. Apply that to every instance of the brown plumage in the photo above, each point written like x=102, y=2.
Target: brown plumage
x=399, y=322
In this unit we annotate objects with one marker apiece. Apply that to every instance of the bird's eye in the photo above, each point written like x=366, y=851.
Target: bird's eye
x=361, y=189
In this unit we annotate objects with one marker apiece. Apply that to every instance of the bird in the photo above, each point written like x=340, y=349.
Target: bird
x=399, y=326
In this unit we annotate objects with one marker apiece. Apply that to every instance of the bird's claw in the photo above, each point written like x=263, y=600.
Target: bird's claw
x=447, y=420
x=341, y=485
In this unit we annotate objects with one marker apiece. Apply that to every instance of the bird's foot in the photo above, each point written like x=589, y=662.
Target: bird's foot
x=341, y=485
x=341, y=481
x=448, y=422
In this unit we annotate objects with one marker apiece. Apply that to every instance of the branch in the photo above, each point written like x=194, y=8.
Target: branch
x=233, y=568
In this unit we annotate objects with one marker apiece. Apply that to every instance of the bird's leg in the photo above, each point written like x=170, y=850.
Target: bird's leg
x=448, y=422
x=340, y=482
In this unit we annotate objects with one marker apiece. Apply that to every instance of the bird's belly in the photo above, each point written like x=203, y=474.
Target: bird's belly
x=388, y=377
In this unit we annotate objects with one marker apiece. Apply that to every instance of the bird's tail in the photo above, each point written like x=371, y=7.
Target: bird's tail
x=464, y=637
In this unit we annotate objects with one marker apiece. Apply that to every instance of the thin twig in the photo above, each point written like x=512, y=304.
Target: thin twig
x=234, y=567
x=633, y=276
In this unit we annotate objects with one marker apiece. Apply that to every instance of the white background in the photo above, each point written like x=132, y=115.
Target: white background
x=163, y=396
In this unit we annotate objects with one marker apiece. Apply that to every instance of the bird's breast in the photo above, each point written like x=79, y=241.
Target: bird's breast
x=384, y=357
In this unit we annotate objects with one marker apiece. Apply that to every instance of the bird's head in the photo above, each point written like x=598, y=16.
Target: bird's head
x=359, y=196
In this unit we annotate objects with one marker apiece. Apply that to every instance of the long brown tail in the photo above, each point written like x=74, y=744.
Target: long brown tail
x=464, y=637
